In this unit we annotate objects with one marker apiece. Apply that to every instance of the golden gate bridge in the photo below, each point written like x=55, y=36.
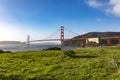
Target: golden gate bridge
x=62, y=38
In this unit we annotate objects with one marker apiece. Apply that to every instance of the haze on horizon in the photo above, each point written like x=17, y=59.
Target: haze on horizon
x=39, y=18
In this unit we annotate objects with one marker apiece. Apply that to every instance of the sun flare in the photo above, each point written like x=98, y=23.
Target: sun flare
x=8, y=32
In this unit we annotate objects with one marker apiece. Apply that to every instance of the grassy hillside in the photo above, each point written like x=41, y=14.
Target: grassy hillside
x=80, y=64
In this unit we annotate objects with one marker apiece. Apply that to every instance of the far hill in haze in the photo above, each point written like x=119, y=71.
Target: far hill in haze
x=90, y=35
x=10, y=42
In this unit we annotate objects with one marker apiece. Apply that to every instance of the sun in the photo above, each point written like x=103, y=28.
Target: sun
x=7, y=32
x=4, y=33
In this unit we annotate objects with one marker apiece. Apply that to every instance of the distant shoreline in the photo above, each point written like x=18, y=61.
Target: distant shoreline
x=10, y=42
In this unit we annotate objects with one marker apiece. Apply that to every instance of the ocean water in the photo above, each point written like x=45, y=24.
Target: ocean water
x=24, y=47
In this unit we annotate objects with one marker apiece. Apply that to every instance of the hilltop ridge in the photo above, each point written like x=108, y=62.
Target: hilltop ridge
x=10, y=42
x=99, y=34
x=89, y=35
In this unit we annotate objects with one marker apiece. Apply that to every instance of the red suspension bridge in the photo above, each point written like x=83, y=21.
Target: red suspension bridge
x=62, y=37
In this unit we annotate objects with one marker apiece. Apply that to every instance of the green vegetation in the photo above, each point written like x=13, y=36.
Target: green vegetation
x=103, y=42
x=78, y=64
x=52, y=48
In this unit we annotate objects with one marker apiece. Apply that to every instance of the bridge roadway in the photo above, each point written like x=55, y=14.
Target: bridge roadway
x=56, y=39
x=116, y=37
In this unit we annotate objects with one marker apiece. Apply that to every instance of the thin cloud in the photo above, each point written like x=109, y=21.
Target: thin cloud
x=110, y=7
x=94, y=3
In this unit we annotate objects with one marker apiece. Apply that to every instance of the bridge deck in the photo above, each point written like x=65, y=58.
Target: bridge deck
x=116, y=37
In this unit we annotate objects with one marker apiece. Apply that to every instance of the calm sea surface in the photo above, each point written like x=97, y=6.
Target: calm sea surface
x=24, y=47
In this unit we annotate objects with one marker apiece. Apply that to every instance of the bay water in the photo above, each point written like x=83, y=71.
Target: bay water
x=24, y=47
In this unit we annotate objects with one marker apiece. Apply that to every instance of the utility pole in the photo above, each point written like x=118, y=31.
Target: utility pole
x=62, y=36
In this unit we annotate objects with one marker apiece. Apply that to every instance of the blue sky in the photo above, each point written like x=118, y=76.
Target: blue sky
x=40, y=18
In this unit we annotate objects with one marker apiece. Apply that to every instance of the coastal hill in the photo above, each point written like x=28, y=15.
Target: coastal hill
x=99, y=34
x=90, y=35
x=10, y=42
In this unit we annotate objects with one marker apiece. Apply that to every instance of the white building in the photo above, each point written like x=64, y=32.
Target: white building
x=96, y=40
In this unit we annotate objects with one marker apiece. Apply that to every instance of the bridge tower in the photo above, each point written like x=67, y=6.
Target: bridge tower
x=62, y=36
x=28, y=39
x=108, y=41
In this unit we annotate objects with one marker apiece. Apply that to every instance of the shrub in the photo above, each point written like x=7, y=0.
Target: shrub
x=52, y=48
x=68, y=53
x=1, y=51
x=15, y=77
x=3, y=77
x=92, y=44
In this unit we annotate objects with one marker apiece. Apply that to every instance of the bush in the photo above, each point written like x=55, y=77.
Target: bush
x=15, y=77
x=68, y=53
x=52, y=48
x=1, y=51
x=92, y=44
x=3, y=77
